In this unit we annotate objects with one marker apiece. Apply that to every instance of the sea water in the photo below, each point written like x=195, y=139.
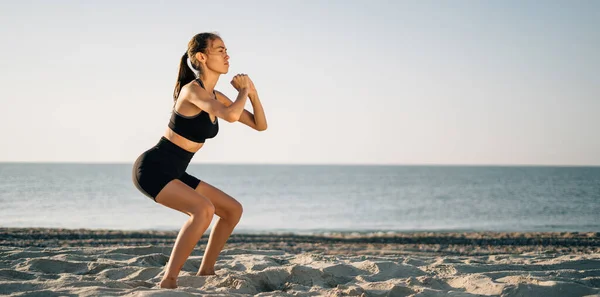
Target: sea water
x=314, y=198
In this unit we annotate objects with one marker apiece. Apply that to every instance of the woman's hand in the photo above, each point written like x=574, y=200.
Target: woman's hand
x=252, y=88
x=241, y=81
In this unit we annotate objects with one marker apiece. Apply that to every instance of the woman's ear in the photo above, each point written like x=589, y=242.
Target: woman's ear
x=200, y=57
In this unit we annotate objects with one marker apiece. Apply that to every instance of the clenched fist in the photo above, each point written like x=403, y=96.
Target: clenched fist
x=241, y=81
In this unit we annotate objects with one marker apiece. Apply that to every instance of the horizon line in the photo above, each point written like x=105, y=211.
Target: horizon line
x=320, y=164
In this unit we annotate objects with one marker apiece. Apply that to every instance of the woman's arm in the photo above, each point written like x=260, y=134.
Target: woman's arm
x=260, y=120
x=202, y=99
x=256, y=121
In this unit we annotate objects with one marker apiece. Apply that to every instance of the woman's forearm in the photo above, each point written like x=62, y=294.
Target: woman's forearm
x=259, y=114
x=237, y=107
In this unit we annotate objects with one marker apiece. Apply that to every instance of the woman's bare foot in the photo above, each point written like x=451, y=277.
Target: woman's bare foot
x=206, y=272
x=168, y=283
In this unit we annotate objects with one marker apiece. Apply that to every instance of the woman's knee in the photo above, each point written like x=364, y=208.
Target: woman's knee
x=234, y=214
x=203, y=210
x=240, y=210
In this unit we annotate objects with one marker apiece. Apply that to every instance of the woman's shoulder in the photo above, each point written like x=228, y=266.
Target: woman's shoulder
x=191, y=90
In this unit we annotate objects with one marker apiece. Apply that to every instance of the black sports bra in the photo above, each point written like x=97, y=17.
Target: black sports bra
x=196, y=128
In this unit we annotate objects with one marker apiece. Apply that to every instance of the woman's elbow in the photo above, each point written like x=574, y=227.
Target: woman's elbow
x=261, y=128
x=231, y=117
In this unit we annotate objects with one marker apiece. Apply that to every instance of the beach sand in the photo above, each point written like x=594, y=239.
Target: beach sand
x=59, y=262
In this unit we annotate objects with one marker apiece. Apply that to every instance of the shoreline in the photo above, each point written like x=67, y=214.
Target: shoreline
x=454, y=243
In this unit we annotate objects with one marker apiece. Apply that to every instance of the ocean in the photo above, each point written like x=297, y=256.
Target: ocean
x=308, y=199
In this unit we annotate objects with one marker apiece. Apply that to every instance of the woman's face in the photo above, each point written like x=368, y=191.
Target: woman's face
x=217, y=58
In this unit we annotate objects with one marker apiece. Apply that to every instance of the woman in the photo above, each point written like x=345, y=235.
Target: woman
x=160, y=173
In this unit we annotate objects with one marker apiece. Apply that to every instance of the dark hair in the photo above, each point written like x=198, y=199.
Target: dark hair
x=198, y=44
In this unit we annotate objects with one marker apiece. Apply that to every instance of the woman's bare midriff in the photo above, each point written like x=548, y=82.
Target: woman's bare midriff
x=182, y=142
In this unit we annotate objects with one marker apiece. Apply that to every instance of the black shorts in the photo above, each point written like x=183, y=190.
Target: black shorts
x=156, y=167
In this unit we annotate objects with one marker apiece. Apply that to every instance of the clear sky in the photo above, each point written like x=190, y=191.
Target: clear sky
x=342, y=82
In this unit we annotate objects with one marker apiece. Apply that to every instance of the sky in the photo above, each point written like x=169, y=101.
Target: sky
x=341, y=82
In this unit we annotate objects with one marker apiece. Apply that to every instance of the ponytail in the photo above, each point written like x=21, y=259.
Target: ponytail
x=186, y=75
x=188, y=71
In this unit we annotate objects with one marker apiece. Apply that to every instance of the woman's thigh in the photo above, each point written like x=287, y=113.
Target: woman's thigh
x=181, y=197
x=225, y=206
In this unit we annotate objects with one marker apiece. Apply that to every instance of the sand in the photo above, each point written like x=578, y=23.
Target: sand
x=58, y=262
